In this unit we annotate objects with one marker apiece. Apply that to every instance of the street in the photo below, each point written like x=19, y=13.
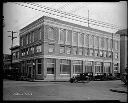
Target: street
x=43, y=90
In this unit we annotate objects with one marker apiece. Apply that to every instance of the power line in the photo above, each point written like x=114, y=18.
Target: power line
x=64, y=13
x=79, y=17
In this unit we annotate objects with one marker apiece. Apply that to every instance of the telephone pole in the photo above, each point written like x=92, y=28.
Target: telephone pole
x=12, y=38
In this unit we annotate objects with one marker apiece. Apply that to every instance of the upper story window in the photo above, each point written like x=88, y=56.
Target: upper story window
x=51, y=48
x=27, y=39
x=91, y=52
x=74, y=50
x=62, y=49
x=75, y=38
x=50, y=33
x=80, y=51
x=96, y=53
x=68, y=50
x=101, y=53
x=91, y=41
x=86, y=51
x=109, y=54
x=111, y=44
x=116, y=45
x=81, y=39
x=69, y=36
x=102, y=42
x=96, y=41
x=38, y=48
x=32, y=50
x=116, y=55
x=40, y=33
x=62, y=35
x=86, y=40
x=105, y=54
x=27, y=51
x=105, y=43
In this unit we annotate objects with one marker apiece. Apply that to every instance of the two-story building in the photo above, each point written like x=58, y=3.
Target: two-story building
x=52, y=49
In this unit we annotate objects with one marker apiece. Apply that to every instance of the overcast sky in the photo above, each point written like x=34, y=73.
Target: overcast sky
x=16, y=16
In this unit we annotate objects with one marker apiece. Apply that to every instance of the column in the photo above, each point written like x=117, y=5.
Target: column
x=57, y=68
x=71, y=68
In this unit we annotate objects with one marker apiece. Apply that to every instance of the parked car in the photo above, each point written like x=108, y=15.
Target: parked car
x=80, y=77
x=100, y=76
x=109, y=76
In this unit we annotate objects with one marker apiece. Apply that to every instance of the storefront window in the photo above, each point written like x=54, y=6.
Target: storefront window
x=65, y=66
x=107, y=67
x=77, y=67
x=88, y=67
x=50, y=66
x=98, y=67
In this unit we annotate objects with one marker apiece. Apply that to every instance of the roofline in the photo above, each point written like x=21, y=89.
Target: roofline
x=65, y=22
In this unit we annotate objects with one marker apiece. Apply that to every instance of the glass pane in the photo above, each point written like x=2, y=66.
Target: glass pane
x=39, y=68
x=65, y=69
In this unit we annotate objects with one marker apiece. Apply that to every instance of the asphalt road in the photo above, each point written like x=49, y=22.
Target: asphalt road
x=94, y=90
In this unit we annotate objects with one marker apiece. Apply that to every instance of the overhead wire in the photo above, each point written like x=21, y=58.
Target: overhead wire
x=54, y=10
x=79, y=17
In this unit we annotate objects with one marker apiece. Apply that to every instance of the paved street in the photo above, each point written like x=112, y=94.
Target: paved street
x=94, y=90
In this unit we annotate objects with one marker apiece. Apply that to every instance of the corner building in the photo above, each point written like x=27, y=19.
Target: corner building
x=51, y=49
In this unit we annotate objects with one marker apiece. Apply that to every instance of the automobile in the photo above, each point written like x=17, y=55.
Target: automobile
x=90, y=75
x=80, y=77
x=109, y=76
x=99, y=76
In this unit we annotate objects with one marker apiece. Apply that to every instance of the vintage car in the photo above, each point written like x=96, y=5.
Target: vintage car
x=99, y=76
x=80, y=77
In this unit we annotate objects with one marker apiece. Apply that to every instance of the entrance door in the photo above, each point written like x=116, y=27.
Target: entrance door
x=29, y=72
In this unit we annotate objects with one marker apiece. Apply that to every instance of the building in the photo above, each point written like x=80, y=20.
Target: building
x=123, y=50
x=6, y=61
x=52, y=49
x=15, y=57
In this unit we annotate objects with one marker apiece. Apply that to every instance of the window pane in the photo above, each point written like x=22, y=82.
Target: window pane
x=50, y=68
x=81, y=39
x=86, y=40
x=80, y=51
x=68, y=50
x=69, y=35
x=39, y=68
x=61, y=49
x=50, y=33
x=75, y=38
x=62, y=35
x=91, y=41
x=51, y=48
x=75, y=51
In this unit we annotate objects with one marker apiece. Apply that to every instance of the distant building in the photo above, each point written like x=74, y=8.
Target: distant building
x=6, y=61
x=15, y=57
x=123, y=49
x=53, y=49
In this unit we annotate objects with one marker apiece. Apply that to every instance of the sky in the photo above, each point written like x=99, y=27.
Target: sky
x=16, y=16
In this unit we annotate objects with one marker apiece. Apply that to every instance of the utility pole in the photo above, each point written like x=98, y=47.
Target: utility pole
x=88, y=18
x=12, y=38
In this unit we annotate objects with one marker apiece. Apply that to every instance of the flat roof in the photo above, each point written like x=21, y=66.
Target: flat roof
x=63, y=22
